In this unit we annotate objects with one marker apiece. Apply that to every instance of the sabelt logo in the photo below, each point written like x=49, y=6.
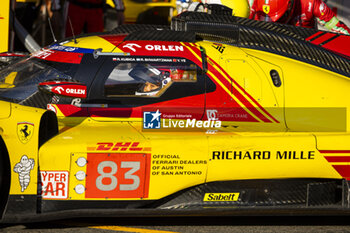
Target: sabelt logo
x=221, y=197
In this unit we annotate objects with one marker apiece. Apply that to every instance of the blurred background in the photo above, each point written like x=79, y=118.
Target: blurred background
x=42, y=22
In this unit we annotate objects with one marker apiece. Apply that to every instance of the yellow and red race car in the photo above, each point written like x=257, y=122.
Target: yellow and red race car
x=214, y=115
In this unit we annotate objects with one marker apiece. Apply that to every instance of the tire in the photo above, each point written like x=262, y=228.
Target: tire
x=4, y=179
x=2, y=194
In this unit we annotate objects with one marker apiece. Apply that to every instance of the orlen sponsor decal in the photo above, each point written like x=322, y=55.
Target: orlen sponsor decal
x=118, y=146
x=54, y=184
x=77, y=91
x=221, y=197
x=171, y=48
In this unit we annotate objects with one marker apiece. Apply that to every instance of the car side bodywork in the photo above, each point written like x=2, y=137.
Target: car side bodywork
x=267, y=126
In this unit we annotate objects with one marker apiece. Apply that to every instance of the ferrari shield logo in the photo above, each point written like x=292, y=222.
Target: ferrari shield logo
x=266, y=9
x=25, y=131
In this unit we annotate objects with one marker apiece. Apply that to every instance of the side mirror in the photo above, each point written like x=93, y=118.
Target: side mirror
x=64, y=88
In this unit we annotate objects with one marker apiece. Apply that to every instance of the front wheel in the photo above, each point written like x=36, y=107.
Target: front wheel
x=4, y=177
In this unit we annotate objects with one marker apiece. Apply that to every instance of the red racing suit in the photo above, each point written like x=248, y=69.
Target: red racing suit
x=84, y=13
x=305, y=14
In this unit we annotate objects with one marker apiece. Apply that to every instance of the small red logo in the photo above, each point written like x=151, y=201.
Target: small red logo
x=77, y=91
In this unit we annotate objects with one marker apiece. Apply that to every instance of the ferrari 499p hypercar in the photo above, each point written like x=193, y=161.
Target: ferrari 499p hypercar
x=213, y=115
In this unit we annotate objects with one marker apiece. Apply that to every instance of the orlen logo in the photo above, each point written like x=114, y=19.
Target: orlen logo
x=131, y=46
x=171, y=48
x=119, y=146
x=77, y=91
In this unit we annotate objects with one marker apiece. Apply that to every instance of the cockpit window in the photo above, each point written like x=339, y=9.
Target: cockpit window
x=146, y=80
x=20, y=80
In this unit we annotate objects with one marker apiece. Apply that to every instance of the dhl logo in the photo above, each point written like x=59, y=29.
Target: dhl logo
x=119, y=146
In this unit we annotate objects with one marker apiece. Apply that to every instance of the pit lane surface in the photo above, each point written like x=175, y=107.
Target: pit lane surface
x=186, y=225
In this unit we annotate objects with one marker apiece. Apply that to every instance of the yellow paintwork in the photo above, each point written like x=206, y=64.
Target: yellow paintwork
x=272, y=167
x=92, y=42
x=197, y=147
x=4, y=25
x=16, y=149
x=315, y=99
x=35, y=1
x=179, y=160
x=5, y=110
x=133, y=8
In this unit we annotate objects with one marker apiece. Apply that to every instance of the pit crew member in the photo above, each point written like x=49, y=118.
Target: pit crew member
x=302, y=13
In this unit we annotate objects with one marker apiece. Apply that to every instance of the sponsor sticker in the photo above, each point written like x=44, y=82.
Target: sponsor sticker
x=23, y=169
x=221, y=197
x=118, y=146
x=117, y=175
x=155, y=47
x=132, y=46
x=25, y=131
x=266, y=9
x=78, y=91
x=54, y=184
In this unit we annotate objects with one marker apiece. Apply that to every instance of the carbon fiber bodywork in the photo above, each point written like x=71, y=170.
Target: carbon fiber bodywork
x=129, y=28
x=256, y=197
x=163, y=35
x=296, y=193
x=280, y=39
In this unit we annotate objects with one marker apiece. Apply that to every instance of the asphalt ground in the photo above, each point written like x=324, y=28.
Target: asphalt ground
x=323, y=224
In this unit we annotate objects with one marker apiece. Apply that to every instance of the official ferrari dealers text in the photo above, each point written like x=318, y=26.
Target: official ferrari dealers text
x=172, y=164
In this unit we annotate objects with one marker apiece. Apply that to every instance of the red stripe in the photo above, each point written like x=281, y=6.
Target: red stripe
x=243, y=100
x=250, y=97
x=114, y=39
x=343, y=170
x=338, y=158
x=195, y=50
x=334, y=151
x=323, y=38
x=59, y=56
x=314, y=35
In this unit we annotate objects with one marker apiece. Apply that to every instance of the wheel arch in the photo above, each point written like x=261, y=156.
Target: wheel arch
x=48, y=127
x=5, y=176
